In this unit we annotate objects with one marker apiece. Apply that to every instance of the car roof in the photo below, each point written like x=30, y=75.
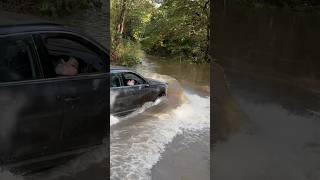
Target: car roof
x=11, y=23
x=119, y=68
x=32, y=27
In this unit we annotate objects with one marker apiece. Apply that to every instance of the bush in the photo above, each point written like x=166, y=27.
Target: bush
x=128, y=53
x=61, y=7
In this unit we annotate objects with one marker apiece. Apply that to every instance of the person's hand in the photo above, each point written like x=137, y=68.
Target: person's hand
x=69, y=68
x=130, y=82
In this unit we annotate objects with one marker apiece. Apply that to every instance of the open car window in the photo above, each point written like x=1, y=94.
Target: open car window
x=62, y=49
x=132, y=76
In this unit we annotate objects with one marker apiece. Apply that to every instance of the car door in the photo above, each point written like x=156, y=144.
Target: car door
x=117, y=103
x=141, y=91
x=84, y=95
x=31, y=115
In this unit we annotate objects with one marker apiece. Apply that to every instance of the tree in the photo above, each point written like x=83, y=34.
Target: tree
x=180, y=27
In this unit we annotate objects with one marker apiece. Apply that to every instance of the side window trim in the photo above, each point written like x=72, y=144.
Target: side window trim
x=38, y=61
x=144, y=80
x=47, y=67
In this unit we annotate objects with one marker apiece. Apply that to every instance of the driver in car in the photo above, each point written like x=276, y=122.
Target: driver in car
x=67, y=68
x=131, y=82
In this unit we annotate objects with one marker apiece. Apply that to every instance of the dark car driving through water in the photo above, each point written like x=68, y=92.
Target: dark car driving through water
x=53, y=92
x=131, y=90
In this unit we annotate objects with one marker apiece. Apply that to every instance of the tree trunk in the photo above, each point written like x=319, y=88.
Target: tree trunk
x=120, y=28
x=122, y=16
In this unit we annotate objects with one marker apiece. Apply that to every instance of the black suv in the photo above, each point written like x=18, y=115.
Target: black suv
x=43, y=112
x=129, y=97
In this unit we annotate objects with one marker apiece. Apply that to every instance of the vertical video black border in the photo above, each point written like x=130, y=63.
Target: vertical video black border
x=109, y=43
x=216, y=8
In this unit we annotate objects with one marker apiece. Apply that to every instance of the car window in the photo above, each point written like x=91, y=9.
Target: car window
x=16, y=59
x=115, y=80
x=72, y=57
x=127, y=77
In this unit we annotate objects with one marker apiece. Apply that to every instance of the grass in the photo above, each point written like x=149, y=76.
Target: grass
x=128, y=53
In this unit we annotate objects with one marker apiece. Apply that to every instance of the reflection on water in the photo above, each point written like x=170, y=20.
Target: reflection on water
x=272, y=42
x=271, y=62
x=271, y=52
x=192, y=77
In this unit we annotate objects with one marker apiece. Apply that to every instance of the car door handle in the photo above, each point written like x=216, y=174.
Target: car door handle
x=71, y=98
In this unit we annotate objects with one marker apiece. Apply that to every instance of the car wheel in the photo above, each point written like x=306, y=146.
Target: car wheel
x=162, y=94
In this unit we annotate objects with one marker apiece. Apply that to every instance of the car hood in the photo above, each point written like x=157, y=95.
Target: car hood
x=155, y=82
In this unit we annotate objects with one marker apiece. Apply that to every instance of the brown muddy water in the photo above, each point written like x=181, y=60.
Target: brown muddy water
x=168, y=139
x=270, y=60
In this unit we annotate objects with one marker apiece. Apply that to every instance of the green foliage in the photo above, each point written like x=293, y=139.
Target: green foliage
x=137, y=16
x=128, y=53
x=62, y=7
x=179, y=28
x=172, y=28
x=126, y=48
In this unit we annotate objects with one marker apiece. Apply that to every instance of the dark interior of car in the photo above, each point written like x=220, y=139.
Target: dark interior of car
x=127, y=80
x=59, y=48
x=15, y=62
x=115, y=81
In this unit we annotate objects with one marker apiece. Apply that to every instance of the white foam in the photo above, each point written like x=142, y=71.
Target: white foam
x=115, y=120
x=113, y=96
x=135, y=149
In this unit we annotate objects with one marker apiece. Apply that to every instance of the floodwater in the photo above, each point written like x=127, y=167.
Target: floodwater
x=271, y=60
x=170, y=138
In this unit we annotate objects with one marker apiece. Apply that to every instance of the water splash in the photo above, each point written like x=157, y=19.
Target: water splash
x=135, y=149
x=115, y=120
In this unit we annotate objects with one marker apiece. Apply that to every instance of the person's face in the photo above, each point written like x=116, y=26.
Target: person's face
x=73, y=62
